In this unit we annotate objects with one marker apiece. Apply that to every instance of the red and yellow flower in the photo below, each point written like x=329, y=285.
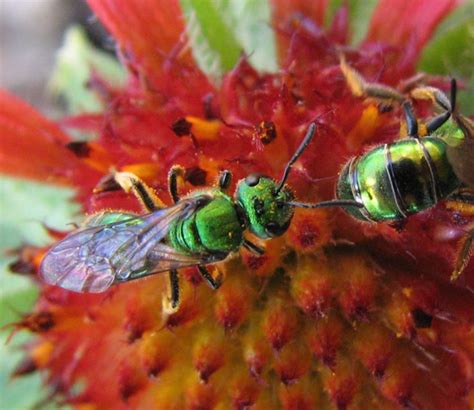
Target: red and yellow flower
x=336, y=313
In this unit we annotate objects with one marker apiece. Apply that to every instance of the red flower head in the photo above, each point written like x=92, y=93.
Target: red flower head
x=336, y=312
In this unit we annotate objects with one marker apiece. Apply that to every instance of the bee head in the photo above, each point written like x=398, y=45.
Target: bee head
x=268, y=204
x=265, y=205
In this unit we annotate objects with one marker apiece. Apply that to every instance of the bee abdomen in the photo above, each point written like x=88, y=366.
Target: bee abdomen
x=395, y=180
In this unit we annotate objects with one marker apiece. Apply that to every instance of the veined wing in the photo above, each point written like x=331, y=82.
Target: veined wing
x=163, y=257
x=93, y=258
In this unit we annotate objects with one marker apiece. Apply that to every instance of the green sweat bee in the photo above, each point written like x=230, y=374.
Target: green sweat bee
x=393, y=181
x=200, y=229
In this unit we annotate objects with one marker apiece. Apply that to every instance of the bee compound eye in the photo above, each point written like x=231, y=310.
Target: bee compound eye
x=252, y=179
x=274, y=229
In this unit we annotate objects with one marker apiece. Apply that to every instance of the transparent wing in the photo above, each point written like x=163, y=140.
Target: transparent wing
x=163, y=257
x=93, y=258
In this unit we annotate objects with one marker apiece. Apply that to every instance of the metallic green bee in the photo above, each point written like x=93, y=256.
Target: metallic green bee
x=202, y=228
x=393, y=181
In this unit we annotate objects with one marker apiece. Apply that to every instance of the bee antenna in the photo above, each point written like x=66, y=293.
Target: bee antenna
x=326, y=204
x=307, y=139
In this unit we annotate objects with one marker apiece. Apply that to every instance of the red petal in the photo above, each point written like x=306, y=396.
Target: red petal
x=284, y=9
x=148, y=28
x=150, y=33
x=287, y=15
x=32, y=146
x=403, y=22
x=154, y=48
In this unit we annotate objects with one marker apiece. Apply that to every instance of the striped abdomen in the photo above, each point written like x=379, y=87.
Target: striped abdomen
x=395, y=180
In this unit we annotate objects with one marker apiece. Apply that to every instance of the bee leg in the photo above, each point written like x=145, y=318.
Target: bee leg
x=361, y=88
x=176, y=172
x=437, y=122
x=253, y=248
x=405, y=86
x=225, y=178
x=463, y=201
x=412, y=123
x=213, y=283
x=171, y=302
x=130, y=182
x=464, y=254
x=436, y=96
x=440, y=100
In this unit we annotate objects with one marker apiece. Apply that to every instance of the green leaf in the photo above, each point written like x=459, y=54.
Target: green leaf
x=360, y=14
x=21, y=393
x=25, y=205
x=451, y=52
x=26, y=392
x=18, y=294
x=74, y=63
x=466, y=98
x=221, y=30
x=451, y=48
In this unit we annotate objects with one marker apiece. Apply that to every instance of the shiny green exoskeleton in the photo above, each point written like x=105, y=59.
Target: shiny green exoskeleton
x=393, y=181
x=218, y=226
x=201, y=228
x=396, y=180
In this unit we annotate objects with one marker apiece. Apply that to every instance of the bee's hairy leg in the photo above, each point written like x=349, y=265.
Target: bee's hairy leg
x=439, y=100
x=214, y=283
x=225, y=178
x=176, y=172
x=435, y=95
x=362, y=88
x=131, y=183
x=463, y=202
x=465, y=249
x=171, y=300
x=408, y=84
x=253, y=248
